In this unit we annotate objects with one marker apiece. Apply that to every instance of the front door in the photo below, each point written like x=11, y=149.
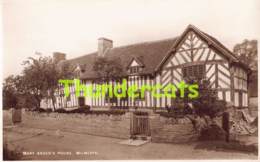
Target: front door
x=81, y=101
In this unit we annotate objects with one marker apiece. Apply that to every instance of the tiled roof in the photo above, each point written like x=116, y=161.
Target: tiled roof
x=151, y=54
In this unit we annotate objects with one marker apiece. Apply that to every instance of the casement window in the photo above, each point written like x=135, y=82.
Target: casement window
x=194, y=71
x=134, y=69
x=135, y=66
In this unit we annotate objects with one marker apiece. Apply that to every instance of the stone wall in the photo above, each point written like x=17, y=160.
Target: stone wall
x=117, y=126
x=169, y=129
x=163, y=129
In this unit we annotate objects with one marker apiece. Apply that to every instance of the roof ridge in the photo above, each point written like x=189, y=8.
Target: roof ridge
x=145, y=42
x=222, y=46
x=215, y=41
x=84, y=55
x=128, y=45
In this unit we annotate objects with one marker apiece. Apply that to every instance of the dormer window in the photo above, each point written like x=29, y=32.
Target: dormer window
x=135, y=66
x=134, y=69
x=80, y=69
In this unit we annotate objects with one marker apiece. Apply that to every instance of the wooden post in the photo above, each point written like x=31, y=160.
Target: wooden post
x=131, y=123
x=16, y=115
x=225, y=124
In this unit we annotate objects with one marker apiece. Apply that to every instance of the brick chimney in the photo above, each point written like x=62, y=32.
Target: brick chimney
x=58, y=56
x=103, y=45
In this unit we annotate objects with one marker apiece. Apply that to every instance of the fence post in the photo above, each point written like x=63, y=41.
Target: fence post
x=131, y=123
x=16, y=115
x=225, y=124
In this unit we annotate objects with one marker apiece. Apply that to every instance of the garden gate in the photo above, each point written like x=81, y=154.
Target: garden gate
x=140, y=124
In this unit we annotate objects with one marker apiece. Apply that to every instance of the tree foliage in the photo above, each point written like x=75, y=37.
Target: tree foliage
x=108, y=68
x=53, y=73
x=11, y=91
x=207, y=103
x=247, y=53
x=39, y=80
x=205, y=108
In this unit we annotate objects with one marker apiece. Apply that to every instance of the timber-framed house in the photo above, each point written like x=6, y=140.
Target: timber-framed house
x=193, y=53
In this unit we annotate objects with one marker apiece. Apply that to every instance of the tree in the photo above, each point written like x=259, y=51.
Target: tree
x=34, y=78
x=247, y=53
x=10, y=91
x=41, y=75
x=206, y=108
x=108, y=69
x=15, y=93
x=207, y=104
x=55, y=72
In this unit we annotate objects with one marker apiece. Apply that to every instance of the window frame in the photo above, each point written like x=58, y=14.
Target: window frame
x=134, y=69
x=196, y=71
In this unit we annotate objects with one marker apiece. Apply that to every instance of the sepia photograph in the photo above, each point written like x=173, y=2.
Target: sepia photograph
x=130, y=80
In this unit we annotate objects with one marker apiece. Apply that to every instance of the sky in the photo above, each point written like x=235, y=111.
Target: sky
x=73, y=26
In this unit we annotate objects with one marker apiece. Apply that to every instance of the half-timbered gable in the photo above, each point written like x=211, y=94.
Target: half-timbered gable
x=192, y=54
x=195, y=57
x=135, y=66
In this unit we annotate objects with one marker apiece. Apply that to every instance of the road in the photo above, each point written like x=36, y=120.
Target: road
x=42, y=144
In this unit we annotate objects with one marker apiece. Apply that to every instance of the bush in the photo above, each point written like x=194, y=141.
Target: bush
x=86, y=110
x=61, y=110
x=140, y=113
x=41, y=110
x=110, y=112
x=119, y=108
x=211, y=133
x=178, y=110
x=33, y=109
x=211, y=109
x=82, y=109
x=171, y=115
x=49, y=110
x=178, y=107
x=86, y=107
